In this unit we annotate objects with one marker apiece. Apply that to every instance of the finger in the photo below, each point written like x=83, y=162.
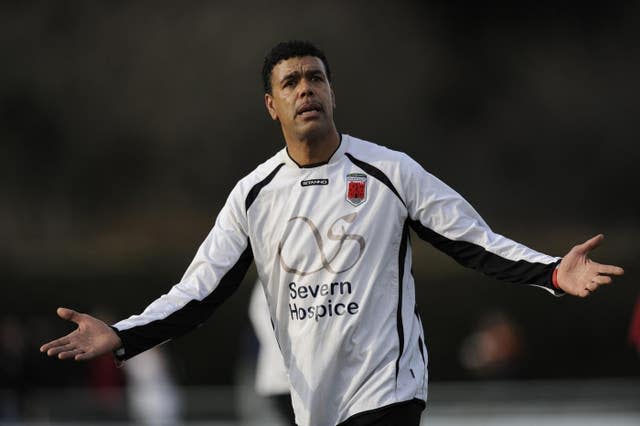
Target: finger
x=591, y=286
x=58, y=342
x=609, y=269
x=591, y=243
x=583, y=293
x=69, y=354
x=59, y=349
x=85, y=356
x=602, y=279
x=68, y=314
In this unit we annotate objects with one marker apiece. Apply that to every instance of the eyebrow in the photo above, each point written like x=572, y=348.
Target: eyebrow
x=296, y=74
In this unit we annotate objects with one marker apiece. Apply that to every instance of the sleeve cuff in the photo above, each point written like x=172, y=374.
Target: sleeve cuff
x=119, y=353
x=553, y=286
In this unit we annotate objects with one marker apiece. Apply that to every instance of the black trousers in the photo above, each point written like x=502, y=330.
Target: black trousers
x=401, y=414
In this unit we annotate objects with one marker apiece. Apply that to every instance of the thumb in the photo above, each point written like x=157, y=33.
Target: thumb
x=591, y=243
x=67, y=314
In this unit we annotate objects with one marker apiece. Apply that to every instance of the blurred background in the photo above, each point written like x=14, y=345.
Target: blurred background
x=124, y=125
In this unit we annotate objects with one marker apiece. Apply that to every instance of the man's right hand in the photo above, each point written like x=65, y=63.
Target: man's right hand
x=91, y=339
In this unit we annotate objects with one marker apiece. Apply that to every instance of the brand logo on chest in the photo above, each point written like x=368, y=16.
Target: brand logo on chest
x=356, y=188
x=312, y=182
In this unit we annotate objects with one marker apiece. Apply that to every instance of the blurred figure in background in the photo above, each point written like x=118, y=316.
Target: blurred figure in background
x=107, y=382
x=634, y=330
x=143, y=389
x=12, y=377
x=272, y=381
x=152, y=395
x=495, y=348
x=107, y=385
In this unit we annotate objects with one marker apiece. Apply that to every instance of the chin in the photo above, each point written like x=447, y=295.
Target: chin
x=314, y=130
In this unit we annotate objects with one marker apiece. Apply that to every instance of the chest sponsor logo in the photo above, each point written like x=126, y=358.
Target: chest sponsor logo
x=312, y=182
x=335, y=232
x=356, y=188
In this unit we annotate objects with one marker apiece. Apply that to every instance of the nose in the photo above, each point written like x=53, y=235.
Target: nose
x=304, y=88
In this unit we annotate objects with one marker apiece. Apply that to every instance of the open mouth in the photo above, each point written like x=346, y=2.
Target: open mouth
x=309, y=109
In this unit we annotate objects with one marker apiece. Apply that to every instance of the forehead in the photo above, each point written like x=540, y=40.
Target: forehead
x=297, y=64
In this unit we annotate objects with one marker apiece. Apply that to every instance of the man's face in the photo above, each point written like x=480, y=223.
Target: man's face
x=301, y=97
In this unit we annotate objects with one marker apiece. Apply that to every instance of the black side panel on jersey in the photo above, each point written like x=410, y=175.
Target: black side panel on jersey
x=476, y=257
x=253, y=194
x=376, y=173
x=402, y=257
x=420, y=342
x=138, y=339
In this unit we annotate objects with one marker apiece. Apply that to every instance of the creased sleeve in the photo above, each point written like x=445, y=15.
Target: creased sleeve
x=214, y=274
x=442, y=217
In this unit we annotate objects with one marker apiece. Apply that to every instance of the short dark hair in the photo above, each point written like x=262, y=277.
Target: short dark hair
x=290, y=49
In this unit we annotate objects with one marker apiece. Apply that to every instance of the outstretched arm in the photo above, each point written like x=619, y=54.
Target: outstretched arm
x=441, y=216
x=580, y=276
x=91, y=339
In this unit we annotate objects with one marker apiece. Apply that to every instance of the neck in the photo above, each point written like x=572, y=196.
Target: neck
x=313, y=150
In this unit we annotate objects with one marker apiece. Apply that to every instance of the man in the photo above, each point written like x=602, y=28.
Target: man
x=327, y=221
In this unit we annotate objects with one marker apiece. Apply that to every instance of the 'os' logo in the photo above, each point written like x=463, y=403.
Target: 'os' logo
x=340, y=237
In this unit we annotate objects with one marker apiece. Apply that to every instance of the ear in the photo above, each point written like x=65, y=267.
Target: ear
x=268, y=102
x=333, y=98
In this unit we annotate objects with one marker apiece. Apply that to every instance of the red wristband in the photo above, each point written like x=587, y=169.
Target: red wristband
x=554, y=279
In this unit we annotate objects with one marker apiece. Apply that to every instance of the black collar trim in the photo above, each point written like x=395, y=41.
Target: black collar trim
x=322, y=163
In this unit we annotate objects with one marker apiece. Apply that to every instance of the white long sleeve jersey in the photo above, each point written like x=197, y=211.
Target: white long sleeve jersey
x=331, y=245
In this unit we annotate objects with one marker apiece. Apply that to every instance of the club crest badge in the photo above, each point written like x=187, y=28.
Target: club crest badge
x=356, y=188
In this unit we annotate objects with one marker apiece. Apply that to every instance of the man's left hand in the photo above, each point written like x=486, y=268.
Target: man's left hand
x=580, y=276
